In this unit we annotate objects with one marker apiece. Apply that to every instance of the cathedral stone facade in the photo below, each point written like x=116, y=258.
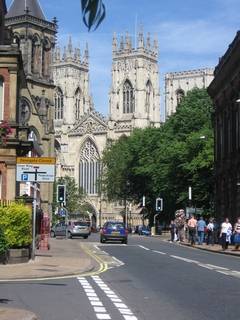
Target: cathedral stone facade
x=177, y=84
x=81, y=133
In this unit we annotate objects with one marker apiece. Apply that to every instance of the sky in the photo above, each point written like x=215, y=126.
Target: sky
x=192, y=34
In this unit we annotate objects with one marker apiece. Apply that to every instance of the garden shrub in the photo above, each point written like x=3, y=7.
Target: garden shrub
x=15, y=221
x=3, y=243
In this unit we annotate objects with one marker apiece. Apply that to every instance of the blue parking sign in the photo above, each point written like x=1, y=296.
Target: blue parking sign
x=24, y=177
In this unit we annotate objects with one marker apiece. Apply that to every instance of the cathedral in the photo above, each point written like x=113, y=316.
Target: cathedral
x=82, y=133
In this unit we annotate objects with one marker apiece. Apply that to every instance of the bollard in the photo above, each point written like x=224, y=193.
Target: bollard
x=153, y=231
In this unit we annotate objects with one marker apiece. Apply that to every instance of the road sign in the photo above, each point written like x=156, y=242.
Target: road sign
x=36, y=169
x=62, y=212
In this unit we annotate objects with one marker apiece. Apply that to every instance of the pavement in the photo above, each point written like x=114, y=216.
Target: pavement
x=65, y=258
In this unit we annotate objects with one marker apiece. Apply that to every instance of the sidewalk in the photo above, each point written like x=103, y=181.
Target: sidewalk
x=65, y=258
x=215, y=248
x=16, y=314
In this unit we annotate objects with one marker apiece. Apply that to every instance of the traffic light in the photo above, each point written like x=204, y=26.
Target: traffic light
x=159, y=204
x=61, y=193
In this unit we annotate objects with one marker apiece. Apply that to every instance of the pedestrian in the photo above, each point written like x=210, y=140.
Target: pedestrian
x=173, y=230
x=225, y=233
x=210, y=232
x=237, y=234
x=192, y=228
x=180, y=223
x=201, y=225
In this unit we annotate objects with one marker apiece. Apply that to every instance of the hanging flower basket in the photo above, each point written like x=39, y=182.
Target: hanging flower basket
x=5, y=131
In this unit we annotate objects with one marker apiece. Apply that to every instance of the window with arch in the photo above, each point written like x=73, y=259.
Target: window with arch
x=149, y=96
x=180, y=95
x=89, y=169
x=58, y=103
x=46, y=57
x=36, y=53
x=128, y=97
x=1, y=99
x=77, y=104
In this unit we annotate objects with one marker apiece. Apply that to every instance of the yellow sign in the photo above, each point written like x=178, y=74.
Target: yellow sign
x=27, y=160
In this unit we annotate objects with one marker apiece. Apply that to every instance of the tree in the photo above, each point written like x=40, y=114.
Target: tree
x=93, y=12
x=166, y=161
x=74, y=195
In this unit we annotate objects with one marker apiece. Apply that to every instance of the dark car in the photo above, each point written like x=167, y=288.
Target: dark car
x=114, y=231
x=144, y=231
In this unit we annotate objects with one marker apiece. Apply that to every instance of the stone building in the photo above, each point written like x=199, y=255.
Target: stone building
x=82, y=133
x=28, y=93
x=224, y=91
x=177, y=84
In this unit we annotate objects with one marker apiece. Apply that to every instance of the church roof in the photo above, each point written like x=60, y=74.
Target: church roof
x=19, y=8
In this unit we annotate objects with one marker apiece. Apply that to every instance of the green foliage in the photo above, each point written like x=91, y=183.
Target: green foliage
x=93, y=12
x=3, y=243
x=167, y=160
x=15, y=221
x=74, y=195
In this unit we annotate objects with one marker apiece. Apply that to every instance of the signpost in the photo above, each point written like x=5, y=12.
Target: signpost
x=35, y=170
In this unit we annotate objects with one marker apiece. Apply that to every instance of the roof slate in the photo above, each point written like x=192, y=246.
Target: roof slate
x=18, y=8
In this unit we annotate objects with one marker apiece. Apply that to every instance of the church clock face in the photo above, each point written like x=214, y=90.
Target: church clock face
x=24, y=112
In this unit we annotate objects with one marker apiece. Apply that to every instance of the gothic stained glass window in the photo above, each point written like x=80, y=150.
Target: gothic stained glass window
x=77, y=104
x=58, y=98
x=128, y=97
x=89, y=169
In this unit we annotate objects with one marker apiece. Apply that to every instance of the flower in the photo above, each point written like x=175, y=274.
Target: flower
x=5, y=131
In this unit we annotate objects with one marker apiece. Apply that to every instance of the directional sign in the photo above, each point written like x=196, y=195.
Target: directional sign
x=36, y=169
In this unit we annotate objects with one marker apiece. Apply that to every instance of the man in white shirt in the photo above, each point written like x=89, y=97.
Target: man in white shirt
x=225, y=234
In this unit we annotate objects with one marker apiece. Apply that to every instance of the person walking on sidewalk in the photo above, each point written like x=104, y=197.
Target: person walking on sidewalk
x=225, y=234
x=201, y=225
x=192, y=229
x=210, y=232
x=237, y=234
x=173, y=231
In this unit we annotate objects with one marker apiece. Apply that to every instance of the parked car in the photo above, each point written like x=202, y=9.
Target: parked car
x=114, y=231
x=144, y=231
x=74, y=229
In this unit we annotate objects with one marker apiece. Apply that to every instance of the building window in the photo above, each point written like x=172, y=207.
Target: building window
x=1, y=99
x=58, y=104
x=36, y=54
x=149, y=96
x=180, y=95
x=77, y=104
x=89, y=168
x=128, y=97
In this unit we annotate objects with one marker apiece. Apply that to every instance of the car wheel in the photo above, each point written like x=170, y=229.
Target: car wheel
x=85, y=237
x=52, y=234
x=125, y=241
x=102, y=240
x=69, y=235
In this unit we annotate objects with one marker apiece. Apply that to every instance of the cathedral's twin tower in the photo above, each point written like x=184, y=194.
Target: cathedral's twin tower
x=134, y=93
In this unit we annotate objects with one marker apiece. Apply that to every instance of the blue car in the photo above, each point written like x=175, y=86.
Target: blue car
x=144, y=231
x=114, y=231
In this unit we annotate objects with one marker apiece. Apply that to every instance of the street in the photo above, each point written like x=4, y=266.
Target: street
x=154, y=280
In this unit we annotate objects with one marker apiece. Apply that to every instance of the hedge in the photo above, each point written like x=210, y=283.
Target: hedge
x=15, y=221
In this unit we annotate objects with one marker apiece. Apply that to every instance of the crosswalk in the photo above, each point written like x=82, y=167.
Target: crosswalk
x=115, y=303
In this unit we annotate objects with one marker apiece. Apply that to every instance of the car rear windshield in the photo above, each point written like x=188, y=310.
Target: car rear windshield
x=117, y=225
x=80, y=223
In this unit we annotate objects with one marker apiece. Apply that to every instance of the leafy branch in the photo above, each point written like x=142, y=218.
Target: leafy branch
x=93, y=12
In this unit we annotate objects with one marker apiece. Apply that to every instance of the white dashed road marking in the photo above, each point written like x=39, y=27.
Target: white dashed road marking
x=117, y=302
x=144, y=248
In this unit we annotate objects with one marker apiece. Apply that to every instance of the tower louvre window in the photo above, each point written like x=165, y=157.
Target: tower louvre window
x=128, y=97
x=89, y=168
x=77, y=104
x=58, y=98
x=149, y=95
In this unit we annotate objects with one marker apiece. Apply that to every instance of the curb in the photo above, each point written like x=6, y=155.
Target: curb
x=213, y=251
x=19, y=314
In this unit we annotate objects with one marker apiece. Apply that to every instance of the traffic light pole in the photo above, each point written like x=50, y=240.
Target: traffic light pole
x=34, y=221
